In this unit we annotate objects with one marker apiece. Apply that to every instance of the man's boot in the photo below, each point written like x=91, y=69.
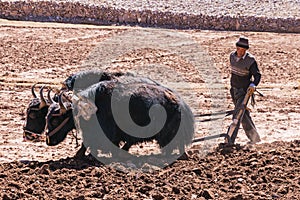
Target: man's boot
x=253, y=136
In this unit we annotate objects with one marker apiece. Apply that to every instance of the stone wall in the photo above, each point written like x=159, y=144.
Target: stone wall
x=52, y=11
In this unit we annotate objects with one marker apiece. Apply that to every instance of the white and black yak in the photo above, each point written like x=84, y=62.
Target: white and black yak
x=143, y=94
x=37, y=109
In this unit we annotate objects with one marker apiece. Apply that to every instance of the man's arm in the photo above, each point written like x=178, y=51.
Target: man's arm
x=255, y=73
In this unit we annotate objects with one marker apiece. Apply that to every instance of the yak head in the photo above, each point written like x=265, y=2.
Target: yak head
x=36, y=116
x=59, y=121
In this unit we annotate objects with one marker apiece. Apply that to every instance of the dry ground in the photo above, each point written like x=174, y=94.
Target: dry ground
x=48, y=53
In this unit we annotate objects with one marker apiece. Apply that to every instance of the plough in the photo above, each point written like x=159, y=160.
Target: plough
x=231, y=134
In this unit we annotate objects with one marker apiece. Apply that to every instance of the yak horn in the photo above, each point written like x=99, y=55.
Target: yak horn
x=32, y=91
x=49, y=96
x=63, y=108
x=43, y=101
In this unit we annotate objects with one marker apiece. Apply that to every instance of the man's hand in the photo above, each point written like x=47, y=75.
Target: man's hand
x=251, y=88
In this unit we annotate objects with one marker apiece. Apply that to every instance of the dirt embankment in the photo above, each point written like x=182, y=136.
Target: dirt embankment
x=231, y=15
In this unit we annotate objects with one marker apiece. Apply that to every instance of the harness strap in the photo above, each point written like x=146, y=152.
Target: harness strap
x=32, y=133
x=58, y=128
x=35, y=136
x=27, y=132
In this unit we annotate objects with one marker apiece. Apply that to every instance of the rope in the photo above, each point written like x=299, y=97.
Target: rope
x=58, y=128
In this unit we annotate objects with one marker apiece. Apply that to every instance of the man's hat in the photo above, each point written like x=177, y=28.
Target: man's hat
x=243, y=42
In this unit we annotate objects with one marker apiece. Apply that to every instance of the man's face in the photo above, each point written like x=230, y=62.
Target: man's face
x=240, y=51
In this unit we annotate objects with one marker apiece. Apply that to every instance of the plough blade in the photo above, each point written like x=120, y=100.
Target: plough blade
x=234, y=126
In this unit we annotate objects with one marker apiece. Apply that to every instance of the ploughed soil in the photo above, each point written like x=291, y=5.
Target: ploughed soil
x=46, y=53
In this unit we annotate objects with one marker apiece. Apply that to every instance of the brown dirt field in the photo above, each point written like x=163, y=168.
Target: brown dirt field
x=46, y=53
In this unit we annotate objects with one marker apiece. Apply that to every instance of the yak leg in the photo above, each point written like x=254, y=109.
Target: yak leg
x=81, y=152
x=127, y=146
x=183, y=153
x=167, y=151
x=181, y=149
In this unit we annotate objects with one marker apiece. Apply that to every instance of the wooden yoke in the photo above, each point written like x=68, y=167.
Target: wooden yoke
x=234, y=126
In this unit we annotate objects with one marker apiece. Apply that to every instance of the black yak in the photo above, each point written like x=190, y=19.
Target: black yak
x=142, y=93
x=36, y=115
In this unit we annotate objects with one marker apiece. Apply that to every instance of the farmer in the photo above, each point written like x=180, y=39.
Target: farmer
x=244, y=74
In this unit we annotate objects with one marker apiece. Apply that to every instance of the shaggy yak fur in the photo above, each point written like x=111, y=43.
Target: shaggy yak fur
x=143, y=94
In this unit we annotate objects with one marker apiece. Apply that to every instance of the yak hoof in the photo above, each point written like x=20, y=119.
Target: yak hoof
x=184, y=156
x=81, y=152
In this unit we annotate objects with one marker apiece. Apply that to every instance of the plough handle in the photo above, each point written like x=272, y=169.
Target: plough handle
x=227, y=113
x=212, y=137
x=260, y=94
